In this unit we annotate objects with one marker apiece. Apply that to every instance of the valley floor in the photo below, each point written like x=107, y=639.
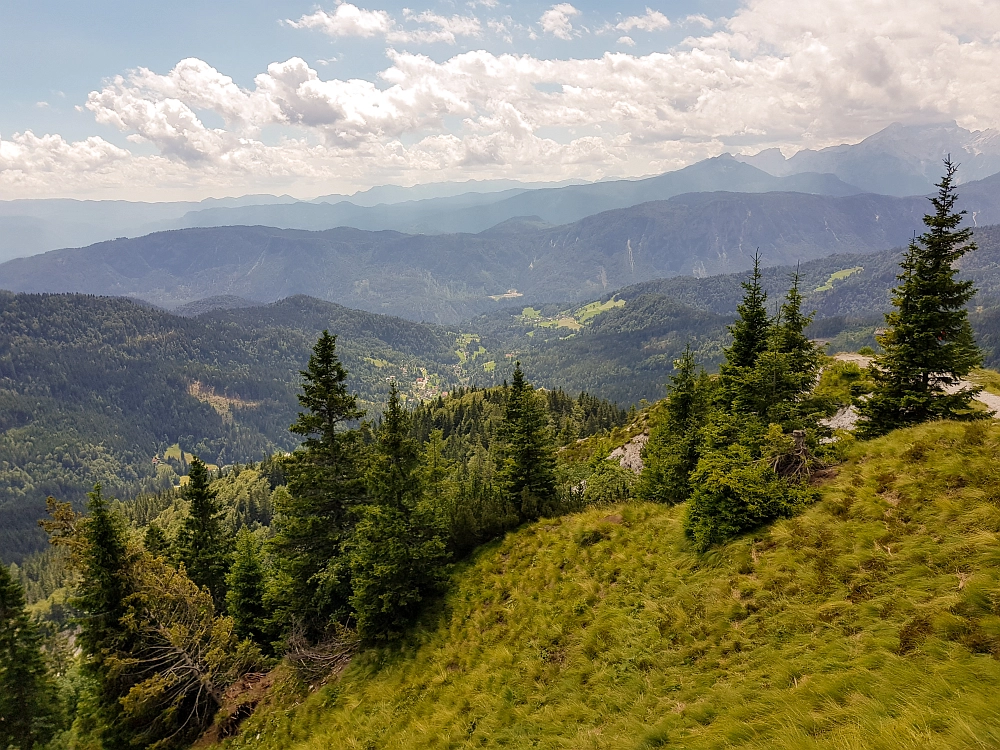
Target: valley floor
x=871, y=620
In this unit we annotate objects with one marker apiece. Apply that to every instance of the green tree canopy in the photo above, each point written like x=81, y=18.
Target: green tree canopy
x=29, y=706
x=398, y=553
x=751, y=329
x=928, y=349
x=203, y=546
x=528, y=451
x=671, y=453
x=315, y=519
x=103, y=558
x=246, y=587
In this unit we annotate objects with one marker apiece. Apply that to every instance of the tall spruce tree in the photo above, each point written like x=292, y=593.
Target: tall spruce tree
x=28, y=700
x=103, y=560
x=751, y=329
x=203, y=546
x=528, y=451
x=928, y=349
x=671, y=453
x=774, y=389
x=315, y=519
x=245, y=588
x=398, y=553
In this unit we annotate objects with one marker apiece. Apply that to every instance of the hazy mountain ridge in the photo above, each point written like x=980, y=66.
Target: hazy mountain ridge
x=477, y=212
x=898, y=160
x=448, y=278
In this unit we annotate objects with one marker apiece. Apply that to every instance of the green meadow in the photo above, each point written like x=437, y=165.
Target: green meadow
x=870, y=620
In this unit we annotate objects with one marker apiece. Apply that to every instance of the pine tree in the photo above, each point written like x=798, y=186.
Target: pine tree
x=528, y=451
x=28, y=700
x=788, y=333
x=245, y=584
x=314, y=520
x=929, y=348
x=202, y=546
x=774, y=389
x=751, y=329
x=749, y=465
x=155, y=541
x=398, y=554
x=103, y=560
x=671, y=453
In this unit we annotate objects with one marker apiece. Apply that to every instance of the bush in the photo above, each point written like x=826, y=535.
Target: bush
x=610, y=483
x=734, y=494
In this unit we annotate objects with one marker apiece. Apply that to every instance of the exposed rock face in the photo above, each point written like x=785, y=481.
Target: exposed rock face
x=629, y=456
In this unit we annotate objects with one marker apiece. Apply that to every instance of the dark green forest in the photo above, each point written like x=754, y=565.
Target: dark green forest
x=92, y=388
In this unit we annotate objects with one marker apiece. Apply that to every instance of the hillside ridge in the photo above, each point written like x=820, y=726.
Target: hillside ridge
x=867, y=621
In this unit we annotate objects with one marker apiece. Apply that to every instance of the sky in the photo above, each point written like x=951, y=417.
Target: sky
x=184, y=100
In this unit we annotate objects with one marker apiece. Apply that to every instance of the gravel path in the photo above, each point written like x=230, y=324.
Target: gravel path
x=847, y=417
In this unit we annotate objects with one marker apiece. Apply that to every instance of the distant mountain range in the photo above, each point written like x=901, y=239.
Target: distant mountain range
x=448, y=278
x=476, y=212
x=898, y=160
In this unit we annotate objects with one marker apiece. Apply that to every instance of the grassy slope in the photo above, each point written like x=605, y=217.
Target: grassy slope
x=872, y=620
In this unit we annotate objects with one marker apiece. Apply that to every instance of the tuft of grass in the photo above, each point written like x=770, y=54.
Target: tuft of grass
x=871, y=620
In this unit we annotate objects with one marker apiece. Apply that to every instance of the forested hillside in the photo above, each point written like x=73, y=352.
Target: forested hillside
x=624, y=343
x=93, y=389
x=447, y=278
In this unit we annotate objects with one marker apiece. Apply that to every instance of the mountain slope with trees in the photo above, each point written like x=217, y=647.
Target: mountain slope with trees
x=845, y=626
x=446, y=278
x=94, y=388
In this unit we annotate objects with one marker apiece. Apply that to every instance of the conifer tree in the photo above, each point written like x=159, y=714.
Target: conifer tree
x=155, y=541
x=245, y=584
x=203, y=546
x=529, y=453
x=751, y=329
x=398, y=553
x=103, y=559
x=314, y=520
x=737, y=485
x=775, y=387
x=28, y=700
x=671, y=453
x=928, y=349
x=788, y=333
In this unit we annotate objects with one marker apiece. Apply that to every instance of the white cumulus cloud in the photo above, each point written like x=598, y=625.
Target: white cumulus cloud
x=775, y=74
x=653, y=20
x=346, y=20
x=447, y=31
x=350, y=20
x=557, y=21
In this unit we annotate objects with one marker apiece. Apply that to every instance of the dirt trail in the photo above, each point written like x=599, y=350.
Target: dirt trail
x=847, y=418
